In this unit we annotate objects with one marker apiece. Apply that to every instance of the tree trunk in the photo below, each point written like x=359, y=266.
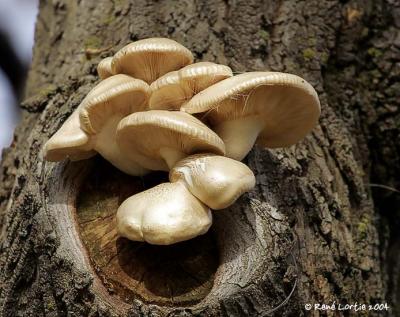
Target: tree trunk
x=312, y=231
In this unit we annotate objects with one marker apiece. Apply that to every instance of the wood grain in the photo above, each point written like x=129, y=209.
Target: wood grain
x=179, y=274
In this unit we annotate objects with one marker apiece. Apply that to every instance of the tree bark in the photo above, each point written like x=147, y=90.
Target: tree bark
x=314, y=230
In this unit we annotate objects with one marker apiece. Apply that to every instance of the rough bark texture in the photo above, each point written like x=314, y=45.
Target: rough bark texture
x=313, y=202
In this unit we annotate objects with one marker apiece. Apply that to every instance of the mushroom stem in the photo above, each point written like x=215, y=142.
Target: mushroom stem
x=239, y=135
x=106, y=145
x=171, y=156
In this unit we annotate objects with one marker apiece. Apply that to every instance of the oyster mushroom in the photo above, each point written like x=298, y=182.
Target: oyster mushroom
x=174, y=89
x=161, y=138
x=69, y=142
x=268, y=108
x=92, y=126
x=216, y=180
x=104, y=68
x=165, y=214
x=150, y=58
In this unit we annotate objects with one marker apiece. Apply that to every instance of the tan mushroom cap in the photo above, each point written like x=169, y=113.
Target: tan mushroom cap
x=163, y=215
x=285, y=106
x=217, y=181
x=151, y=58
x=118, y=94
x=69, y=142
x=203, y=74
x=157, y=139
x=104, y=68
x=172, y=90
x=167, y=93
x=92, y=126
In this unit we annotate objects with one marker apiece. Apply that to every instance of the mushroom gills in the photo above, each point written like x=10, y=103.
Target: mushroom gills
x=148, y=59
x=103, y=108
x=105, y=144
x=104, y=68
x=157, y=139
x=288, y=106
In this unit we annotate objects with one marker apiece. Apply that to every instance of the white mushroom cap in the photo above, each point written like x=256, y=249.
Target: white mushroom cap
x=274, y=109
x=104, y=68
x=119, y=94
x=157, y=139
x=151, y=58
x=92, y=126
x=69, y=142
x=172, y=90
x=167, y=93
x=103, y=108
x=216, y=180
x=165, y=214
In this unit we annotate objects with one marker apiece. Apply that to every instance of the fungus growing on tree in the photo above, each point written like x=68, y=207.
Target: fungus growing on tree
x=151, y=58
x=165, y=214
x=69, y=142
x=174, y=89
x=93, y=124
x=157, y=139
x=216, y=180
x=269, y=108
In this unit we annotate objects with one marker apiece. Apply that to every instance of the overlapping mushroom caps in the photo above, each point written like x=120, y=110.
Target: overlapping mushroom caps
x=93, y=124
x=104, y=68
x=270, y=108
x=151, y=58
x=158, y=139
x=174, y=89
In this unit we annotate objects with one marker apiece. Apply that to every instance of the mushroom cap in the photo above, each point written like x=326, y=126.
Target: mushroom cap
x=288, y=105
x=204, y=74
x=167, y=92
x=69, y=142
x=151, y=58
x=175, y=88
x=163, y=215
x=118, y=94
x=216, y=180
x=143, y=134
x=104, y=68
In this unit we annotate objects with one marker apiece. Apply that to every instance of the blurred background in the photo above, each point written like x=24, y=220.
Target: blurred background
x=17, y=23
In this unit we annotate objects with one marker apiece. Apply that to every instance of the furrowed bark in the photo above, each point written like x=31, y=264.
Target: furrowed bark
x=313, y=220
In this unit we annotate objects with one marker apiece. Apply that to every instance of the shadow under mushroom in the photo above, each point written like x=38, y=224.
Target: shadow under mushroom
x=182, y=273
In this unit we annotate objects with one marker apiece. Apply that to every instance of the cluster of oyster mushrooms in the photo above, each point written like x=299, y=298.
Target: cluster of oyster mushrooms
x=156, y=110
